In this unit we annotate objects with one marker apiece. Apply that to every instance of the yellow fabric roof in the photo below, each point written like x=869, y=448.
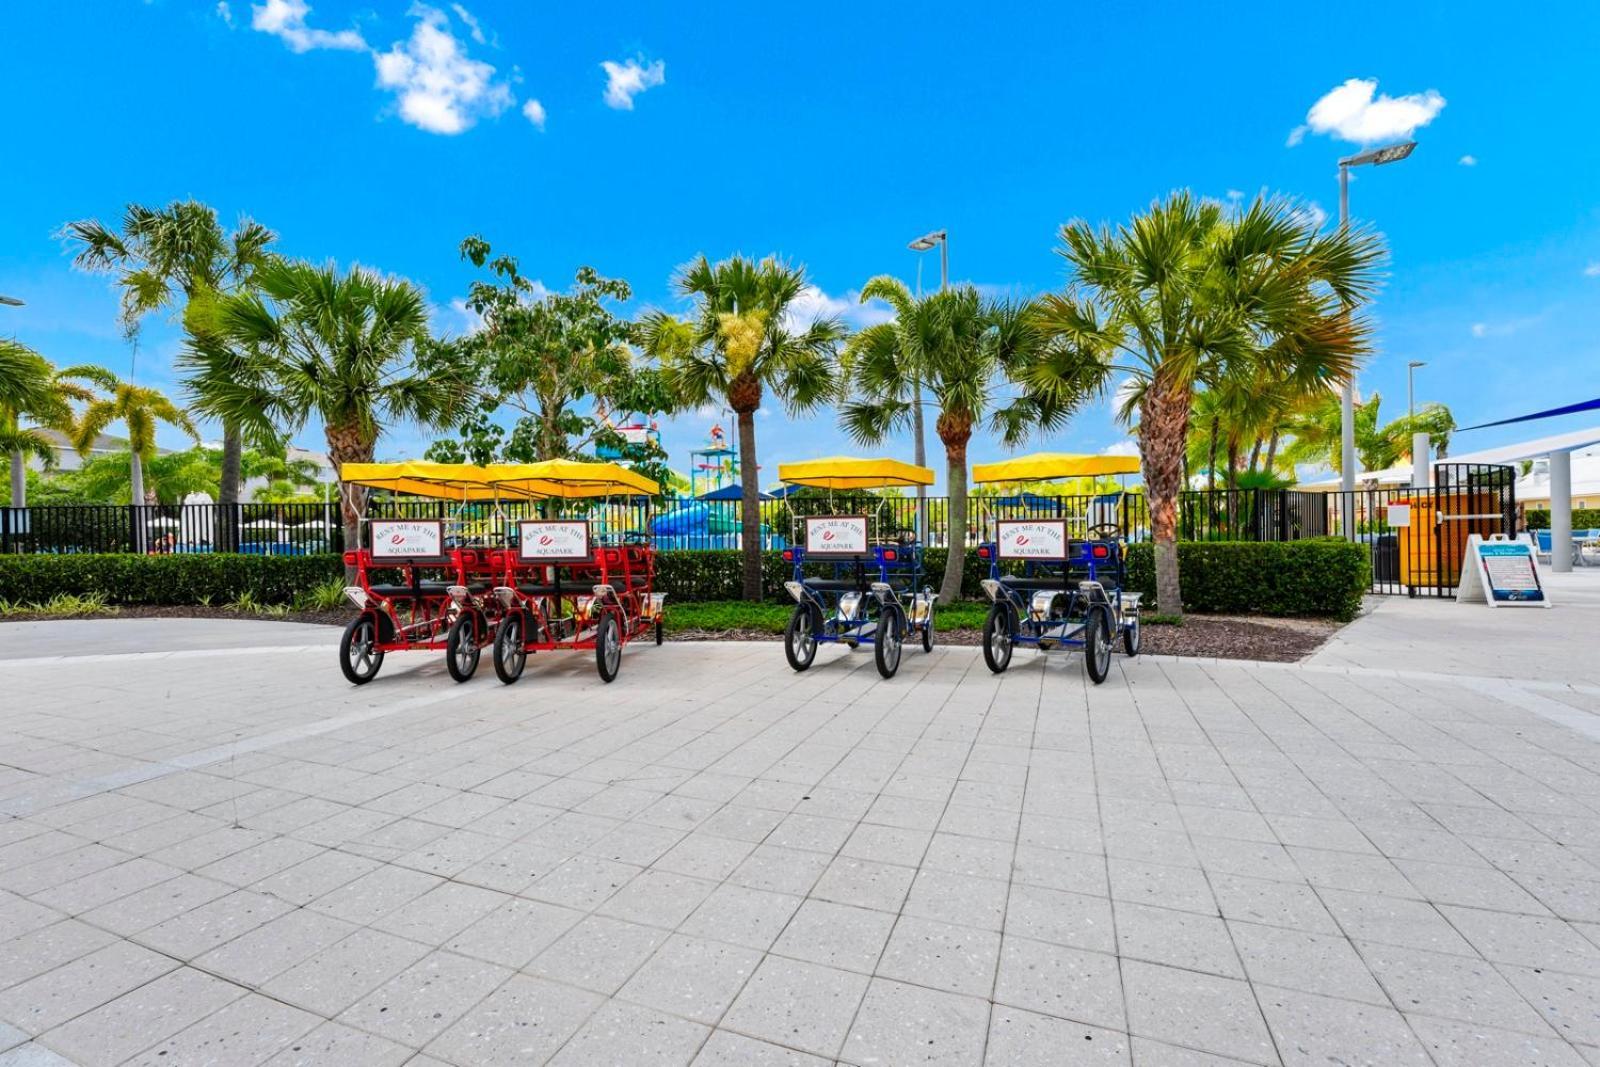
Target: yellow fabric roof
x=849, y=472
x=448, y=481
x=565, y=478
x=570, y=479
x=1041, y=466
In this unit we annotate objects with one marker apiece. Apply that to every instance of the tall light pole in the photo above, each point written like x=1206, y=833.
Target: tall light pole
x=10, y=301
x=920, y=453
x=1393, y=153
x=1411, y=387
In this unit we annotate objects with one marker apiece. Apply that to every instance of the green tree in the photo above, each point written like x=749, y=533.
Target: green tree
x=968, y=353
x=140, y=409
x=180, y=252
x=1314, y=426
x=1185, y=295
x=32, y=389
x=739, y=343
x=352, y=350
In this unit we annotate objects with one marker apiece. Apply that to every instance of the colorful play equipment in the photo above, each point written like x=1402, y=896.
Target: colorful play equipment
x=715, y=465
x=864, y=585
x=1048, y=589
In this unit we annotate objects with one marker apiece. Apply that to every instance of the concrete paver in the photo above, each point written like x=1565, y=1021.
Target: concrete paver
x=224, y=852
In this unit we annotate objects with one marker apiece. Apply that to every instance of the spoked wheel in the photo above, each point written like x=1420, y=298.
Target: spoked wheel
x=1097, y=643
x=608, y=647
x=1132, y=637
x=359, y=657
x=461, y=649
x=799, y=643
x=888, y=641
x=927, y=632
x=510, y=654
x=997, y=639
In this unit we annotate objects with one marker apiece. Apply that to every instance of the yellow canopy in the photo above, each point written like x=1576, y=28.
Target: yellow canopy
x=849, y=472
x=1042, y=466
x=569, y=479
x=448, y=481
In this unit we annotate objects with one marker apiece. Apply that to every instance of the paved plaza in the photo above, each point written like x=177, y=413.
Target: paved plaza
x=221, y=853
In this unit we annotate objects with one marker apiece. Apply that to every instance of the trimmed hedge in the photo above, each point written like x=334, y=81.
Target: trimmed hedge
x=1582, y=518
x=1322, y=576
x=1317, y=577
x=174, y=579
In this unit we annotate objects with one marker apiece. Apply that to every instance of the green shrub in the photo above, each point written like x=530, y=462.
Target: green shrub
x=1582, y=518
x=174, y=579
x=1322, y=576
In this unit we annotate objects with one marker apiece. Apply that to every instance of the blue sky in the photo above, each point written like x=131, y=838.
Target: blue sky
x=634, y=136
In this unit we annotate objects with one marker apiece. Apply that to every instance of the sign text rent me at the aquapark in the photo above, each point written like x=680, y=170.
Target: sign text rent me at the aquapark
x=406, y=539
x=553, y=542
x=1032, y=538
x=835, y=535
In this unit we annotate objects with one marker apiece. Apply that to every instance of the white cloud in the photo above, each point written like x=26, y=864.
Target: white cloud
x=286, y=20
x=1125, y=447
x=534, y=111
x=1311, y=214
x=813, y=303
x=624, y=81
x=1592, y=270
x=1468, y=161
x=1356, y=112
x=225, y=13
x=1480, y=329
x=439, y=87
x=474, y=29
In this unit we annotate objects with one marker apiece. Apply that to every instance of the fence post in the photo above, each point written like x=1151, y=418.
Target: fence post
x=5, y=530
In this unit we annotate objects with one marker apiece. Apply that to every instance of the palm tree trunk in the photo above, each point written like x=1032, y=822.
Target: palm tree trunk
x=1163, y=430
x=345, y=445
x=19, y=480
x=749, y=507
x=1211, y=461
x=1255, y=454
x=955, y=431
x=1233, y=486
x=227, y=518
x=1272, y=451
x=136, y=498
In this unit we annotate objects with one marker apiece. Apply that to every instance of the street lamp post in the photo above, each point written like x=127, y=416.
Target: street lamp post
x=10, y=301
x=920, y=453
x=1392, y=153
x=1411, y=387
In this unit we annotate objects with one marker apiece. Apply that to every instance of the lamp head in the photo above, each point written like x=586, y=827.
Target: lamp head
x=10, y=301
x=1389, y=153
x=927, y=241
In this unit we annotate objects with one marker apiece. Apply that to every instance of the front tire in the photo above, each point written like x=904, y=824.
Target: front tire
x=359, y=658
x=997, y=639
x=461, y=649
x=1132, y=637
x=799, y=641
x=927, y=631
x=608, y=648
x=510, y=654
x=888, y=642
x=1097, y=643
x=661, y=633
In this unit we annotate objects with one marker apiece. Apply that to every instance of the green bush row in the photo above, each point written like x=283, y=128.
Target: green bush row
x=1317, y=577
x=1322, y=576
x=1582, y=518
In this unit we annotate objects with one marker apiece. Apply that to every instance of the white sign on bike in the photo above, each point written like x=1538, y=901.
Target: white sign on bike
x=836, y=535
x=553, y=542
x=407, y=538
x=1032, y=538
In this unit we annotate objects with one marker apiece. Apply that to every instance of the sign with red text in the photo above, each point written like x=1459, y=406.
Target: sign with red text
x=1032, y=539
x=407, y=538
x=553, y=542
x=836, y=535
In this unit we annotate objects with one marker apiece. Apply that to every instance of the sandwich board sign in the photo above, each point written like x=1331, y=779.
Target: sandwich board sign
x=1501, y=573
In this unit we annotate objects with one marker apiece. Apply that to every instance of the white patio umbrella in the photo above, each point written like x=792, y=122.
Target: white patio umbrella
x=263, y=524
x=163, y=522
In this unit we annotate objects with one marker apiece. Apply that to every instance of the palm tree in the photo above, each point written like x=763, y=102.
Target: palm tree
x=1187, y=294
x=741, y=342
x=353, y=350
x=162, y=254
x=139, y=408
x=30, y=388
x=963, y=349
x=1315, y=429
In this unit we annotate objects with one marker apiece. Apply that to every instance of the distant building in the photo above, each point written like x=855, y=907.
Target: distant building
x=67, y=457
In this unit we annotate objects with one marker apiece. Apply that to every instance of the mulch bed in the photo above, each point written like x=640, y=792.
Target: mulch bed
x=1208, y=636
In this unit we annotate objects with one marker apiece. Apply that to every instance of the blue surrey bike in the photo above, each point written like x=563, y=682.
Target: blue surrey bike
x=864, y=587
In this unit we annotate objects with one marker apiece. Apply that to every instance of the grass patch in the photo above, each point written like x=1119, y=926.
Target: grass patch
x=1160, y=620
x=60, y=606
x=724, y=616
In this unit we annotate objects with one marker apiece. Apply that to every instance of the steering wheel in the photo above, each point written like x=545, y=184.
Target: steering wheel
x=1105, y=531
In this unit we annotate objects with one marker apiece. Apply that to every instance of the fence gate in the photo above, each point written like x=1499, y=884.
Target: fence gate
x=1418, y=537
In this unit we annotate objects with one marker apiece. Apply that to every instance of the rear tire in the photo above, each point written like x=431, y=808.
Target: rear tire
x=510, y=654
x=799, y=641
x=997, y=645
x=608, y=648
x=888, y=642
x=1132, y=637
x=358, y=658
x=661, y=633
x=927, y=632
x=461, y=648
x=1097, y=643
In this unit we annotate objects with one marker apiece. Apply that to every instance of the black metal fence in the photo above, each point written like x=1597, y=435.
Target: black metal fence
x=1417, y=536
